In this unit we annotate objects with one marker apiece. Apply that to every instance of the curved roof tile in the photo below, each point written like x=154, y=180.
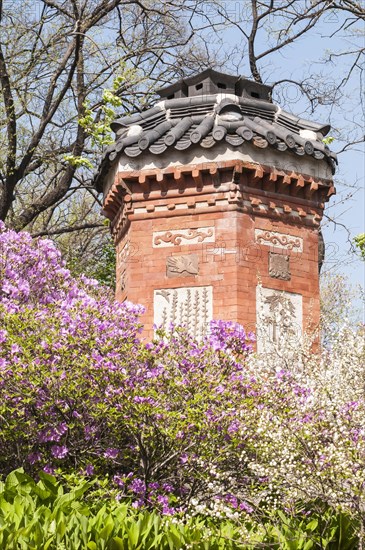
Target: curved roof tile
x=207, y=119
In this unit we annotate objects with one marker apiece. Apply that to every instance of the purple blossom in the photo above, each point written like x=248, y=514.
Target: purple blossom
x=59, y=451
x=231, y=336
x=246, y=508
x=137, y=486
x=118, y=480
x=53, y=433
x=138, y=503
x=111, y=453
x=15, y=348
x=34, y=457
x=232, y=500
x=163, y=501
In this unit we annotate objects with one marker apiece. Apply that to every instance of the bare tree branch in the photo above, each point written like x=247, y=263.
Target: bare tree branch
x=68, y=229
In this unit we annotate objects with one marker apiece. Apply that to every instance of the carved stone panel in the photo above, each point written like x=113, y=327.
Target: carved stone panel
x=278, y=318
x=182, y=266
x=129, y=254
x=178, y=237
x=123, y=254
x=279, y=266
x=191, y=307
x=279, y=240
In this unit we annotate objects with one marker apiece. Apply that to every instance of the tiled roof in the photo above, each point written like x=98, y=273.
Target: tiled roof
x=205, y=120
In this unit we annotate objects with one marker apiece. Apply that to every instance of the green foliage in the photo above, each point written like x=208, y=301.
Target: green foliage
x=42, y=515
x=99, y=128
x=329, y=529
x=360, y=243
x=102, y=269
x=328, y=140
x=51, y=515
x=96, y=120
x=77, y=162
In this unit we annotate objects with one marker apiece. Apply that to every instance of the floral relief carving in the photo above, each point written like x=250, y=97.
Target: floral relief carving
x=279, y=318
x=191, y=307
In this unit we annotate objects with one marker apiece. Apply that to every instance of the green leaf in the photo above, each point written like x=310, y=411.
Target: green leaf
x=118, y=544
x=312, y=525
x=107, y=529
x=49, y=542
x=61, y=528
x=133, y=534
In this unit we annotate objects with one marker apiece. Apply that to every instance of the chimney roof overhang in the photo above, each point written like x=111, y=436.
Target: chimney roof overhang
x=206, y=119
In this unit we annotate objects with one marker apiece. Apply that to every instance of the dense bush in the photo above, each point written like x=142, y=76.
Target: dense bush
x=198, y=428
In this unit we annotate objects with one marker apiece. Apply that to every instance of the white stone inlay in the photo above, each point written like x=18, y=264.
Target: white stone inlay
x=308, y=134
x=279, y=318
x=191, y=307
x=134, y=130
x=279, y=240
x=178, y=237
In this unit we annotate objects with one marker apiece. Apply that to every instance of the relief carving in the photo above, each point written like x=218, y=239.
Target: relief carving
x=177, y=237
x=281, y=315
x=272, y=238
x=279, y=318
x=182, y=266
x=122, y=255
x=191, y=307
x=279, y=266
x=128, y=254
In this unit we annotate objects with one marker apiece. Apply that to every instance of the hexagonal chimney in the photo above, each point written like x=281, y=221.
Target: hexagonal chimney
x=215, y=197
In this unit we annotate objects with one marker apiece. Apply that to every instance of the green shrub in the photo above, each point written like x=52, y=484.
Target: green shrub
x=47, y=515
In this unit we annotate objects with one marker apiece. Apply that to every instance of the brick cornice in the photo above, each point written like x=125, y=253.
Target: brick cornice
x=216, y=186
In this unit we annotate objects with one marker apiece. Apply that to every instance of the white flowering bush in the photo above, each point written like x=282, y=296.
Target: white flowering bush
x=313, y=437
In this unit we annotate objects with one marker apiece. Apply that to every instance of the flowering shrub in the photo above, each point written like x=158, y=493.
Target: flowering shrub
x=178, y=425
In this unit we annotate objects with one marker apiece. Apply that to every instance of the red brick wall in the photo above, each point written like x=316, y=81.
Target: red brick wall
x=233, y=265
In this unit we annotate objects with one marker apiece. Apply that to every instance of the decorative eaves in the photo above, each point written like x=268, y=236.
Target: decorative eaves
x=206, y=120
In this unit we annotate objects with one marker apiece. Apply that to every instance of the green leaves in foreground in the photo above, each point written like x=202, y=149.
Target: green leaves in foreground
x=43, y=516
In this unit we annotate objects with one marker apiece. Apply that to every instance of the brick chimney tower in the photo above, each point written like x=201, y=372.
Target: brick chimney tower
x=215, y=197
